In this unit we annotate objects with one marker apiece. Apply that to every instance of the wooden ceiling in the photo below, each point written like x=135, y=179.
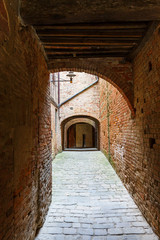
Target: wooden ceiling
x=91, y=40
x=49, y=12
x=89, y=29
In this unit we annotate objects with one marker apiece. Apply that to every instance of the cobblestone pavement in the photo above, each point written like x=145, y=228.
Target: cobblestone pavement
x=90, y=203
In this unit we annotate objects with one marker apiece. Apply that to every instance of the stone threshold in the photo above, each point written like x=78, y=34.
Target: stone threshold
x=80, y=149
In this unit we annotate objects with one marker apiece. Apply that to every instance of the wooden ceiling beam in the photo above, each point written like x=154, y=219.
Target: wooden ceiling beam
x=96, y=44
x=91, y=33
x=91, y=40
x=95, y=26
x=86, y=41
x=54, y=51
x=112, y=35
x=99, y=44
x=68, y=56
x=69, y=47
x=51, y=53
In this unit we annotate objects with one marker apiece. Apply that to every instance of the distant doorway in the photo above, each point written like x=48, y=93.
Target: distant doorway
x=81, y=135
x=80, y=132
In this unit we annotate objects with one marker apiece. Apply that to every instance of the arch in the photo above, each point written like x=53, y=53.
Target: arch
x=116, y=73
x=78, y=120
x=68, y=122
x=81, y=115
x=75, y=121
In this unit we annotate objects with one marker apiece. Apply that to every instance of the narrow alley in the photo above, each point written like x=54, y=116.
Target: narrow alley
x=79, y=75
x=90, y=202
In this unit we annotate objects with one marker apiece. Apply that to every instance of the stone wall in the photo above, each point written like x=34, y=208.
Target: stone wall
x=135, y=143
x=25, y=136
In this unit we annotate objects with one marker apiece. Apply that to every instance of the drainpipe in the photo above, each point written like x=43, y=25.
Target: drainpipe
x=58, y=88
x=75, y=95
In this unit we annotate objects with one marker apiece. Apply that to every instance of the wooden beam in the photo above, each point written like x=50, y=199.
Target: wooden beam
x=113, y=25
x=113, y=35
x=69, y=47
x=75, y=52
x=69, y=56
x=91, y=33
x=99, y=44
x=86, y=41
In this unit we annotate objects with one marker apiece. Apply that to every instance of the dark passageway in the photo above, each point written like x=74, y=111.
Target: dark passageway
x=69, y=62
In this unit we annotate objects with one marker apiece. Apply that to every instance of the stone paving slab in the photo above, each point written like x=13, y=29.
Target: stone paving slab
x=89, y=202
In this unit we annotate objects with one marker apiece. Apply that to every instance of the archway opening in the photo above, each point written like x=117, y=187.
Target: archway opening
x=80, y=132
x=81, y=135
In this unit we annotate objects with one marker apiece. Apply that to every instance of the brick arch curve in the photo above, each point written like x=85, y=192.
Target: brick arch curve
x=66, y=123
x=117, y=74
x=81, y=115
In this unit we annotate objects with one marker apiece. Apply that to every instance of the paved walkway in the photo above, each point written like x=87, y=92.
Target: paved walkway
x=90, y=202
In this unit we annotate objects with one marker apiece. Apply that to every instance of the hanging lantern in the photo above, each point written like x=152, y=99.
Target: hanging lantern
x=71, y=75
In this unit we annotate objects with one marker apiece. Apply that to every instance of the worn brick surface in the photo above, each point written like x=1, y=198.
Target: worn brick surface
x=25, y=166
x=135, y=144
x=147, y=105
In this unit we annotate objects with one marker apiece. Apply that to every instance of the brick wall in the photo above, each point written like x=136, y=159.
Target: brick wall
x=135, y=143
x=55, y=120
x=25, y=147
x=79, y=82
x=121, y=129
x=147, y=103
x=87, y=103
x=116, y=71
x=56, y=132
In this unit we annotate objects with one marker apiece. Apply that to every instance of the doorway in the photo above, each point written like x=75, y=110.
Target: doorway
x=81, y=135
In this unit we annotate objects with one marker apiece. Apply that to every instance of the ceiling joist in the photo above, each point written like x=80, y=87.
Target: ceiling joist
x=114, y=39
x=94, y=26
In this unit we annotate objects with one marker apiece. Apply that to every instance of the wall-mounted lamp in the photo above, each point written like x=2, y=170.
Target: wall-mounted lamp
x=71, y=75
